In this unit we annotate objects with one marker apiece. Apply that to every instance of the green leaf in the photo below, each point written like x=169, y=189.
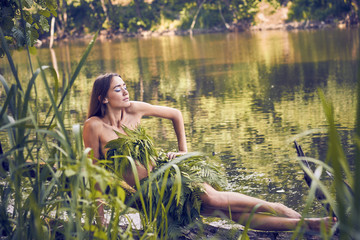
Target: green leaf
x=28, y=17
x=44, y=23
x=30, y=86
x=27, y=3
x=44, y=13
x=34, y=35
x=69, y=172
x=54, y=13
x=18, y=35
x=51, y=4
x=121, y=193
x=12, y=124
x=115, y=144
x=76, y=73
x=8, y=101
x=56, y=110
x=9, y=38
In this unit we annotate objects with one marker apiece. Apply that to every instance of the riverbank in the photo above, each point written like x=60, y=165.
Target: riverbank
x=108, y=35
x=263, y=26
x=268, y=18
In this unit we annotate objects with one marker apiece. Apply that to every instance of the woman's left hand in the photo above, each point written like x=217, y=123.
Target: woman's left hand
x=172, y=155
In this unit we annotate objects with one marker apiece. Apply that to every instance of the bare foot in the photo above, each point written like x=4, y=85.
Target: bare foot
x=315, y=224
x=284, y=211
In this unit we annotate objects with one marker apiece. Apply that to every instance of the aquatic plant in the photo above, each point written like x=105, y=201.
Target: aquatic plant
x=341, y=197
x=47, y=186
x=169, y=199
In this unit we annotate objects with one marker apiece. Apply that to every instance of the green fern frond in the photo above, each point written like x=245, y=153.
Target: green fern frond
x=170, y=203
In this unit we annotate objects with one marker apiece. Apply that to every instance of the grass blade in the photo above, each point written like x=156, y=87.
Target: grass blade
x=29, y=87
x=76, y=73
x=335, y=148
x=8, y=101
x=56, y=111
x=11, y=62
x=356, y=187
x=14, y=124
x=8, y=92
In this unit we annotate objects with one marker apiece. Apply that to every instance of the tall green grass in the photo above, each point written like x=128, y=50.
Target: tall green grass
x=343, y=195
x=48, y=192
x=33, y=191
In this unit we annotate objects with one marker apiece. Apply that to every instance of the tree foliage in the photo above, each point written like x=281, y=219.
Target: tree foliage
x=321, y=9
x=132, y=16
x=137, y=15
x=84, y=16
x=21, y=21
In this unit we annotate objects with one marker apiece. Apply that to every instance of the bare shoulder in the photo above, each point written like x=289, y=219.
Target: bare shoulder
x=93, y=123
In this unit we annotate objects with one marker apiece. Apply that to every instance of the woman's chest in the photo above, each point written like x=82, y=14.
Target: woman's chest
x=109, y=133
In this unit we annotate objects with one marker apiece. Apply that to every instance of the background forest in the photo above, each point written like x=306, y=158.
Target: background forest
x=78, y=17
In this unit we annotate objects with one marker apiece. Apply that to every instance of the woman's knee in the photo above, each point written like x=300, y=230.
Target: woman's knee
x=212, y=198
x=209, y=200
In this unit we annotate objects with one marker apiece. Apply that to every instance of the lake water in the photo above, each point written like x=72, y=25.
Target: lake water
x=244, y=96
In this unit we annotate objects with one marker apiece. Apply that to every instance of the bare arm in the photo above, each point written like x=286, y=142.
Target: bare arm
x=91, y=136
x=169, y=113
x=92, y=140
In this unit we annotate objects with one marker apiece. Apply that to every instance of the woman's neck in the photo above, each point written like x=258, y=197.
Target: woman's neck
x=115, y=118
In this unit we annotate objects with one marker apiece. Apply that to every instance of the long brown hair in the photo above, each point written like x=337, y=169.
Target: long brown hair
x=98, y=93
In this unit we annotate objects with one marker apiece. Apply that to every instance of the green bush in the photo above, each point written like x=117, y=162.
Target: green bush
x=318, y=10
x=22, y=21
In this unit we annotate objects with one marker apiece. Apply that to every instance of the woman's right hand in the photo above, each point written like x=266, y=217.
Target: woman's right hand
x=172, y=155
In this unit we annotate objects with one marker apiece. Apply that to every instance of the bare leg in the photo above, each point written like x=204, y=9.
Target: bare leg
x=217, y=203
x=273, y=223
x=241, y=203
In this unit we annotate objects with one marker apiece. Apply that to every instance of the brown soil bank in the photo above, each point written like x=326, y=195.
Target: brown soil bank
x=269, y=18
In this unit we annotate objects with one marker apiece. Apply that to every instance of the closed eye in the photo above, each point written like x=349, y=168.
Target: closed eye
x=118, y=88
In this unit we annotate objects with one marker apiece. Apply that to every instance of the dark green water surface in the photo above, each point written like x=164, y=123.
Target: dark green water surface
x=244, y=96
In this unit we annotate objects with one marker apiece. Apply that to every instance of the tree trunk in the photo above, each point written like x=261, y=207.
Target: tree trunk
x=111, y=5
x=222, y=17
x=195, y=17
x=137, y=6
x=227, y=3
x=61, y=19
x=52, y=26
x=64, y=7
x=103, y=5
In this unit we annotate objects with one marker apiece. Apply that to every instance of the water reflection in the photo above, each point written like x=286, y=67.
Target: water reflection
x=243, y=96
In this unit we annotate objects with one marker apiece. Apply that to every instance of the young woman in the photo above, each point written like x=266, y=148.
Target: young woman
x=111, y=109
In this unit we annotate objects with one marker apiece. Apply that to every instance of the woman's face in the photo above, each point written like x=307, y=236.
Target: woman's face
x=117, y=95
